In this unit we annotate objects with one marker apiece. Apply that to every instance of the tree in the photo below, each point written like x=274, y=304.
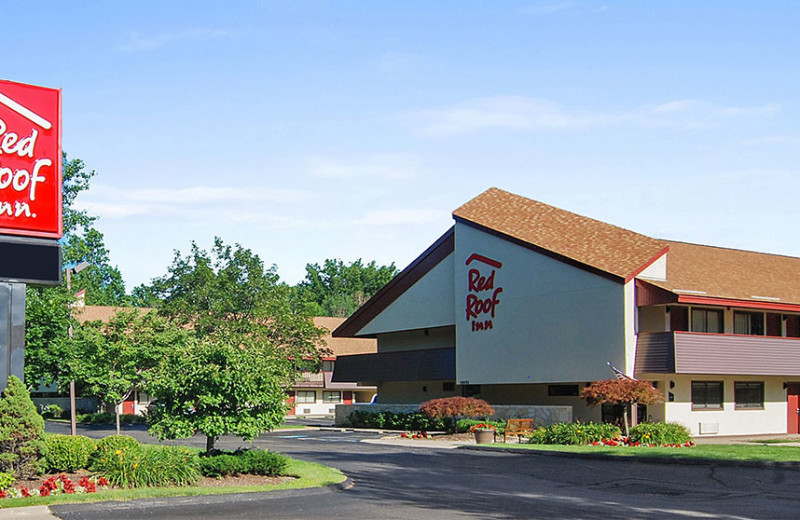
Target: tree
x=247, y=343
x=336, y=289
x=47, y=308
x=455, y=407
x=112, y=360
x=83, y=242
x=21, y=430
x=622, y=391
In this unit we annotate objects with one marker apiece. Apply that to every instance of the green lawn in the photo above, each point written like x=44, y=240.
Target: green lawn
x=702, y=451
x=308, y=475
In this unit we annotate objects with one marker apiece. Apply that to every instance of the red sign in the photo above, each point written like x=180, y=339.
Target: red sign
x=482, y=296
x=30, y=160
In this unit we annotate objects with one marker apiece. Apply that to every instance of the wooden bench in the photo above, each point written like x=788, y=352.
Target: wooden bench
x=518, y=427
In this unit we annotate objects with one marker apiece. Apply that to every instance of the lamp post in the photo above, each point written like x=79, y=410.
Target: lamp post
x=72, y=420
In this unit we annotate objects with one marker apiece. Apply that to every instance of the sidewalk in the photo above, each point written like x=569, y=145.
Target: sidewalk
x=27, y=513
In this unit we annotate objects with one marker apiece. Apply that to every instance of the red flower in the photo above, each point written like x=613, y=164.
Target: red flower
x=3, y=493
x=44, y=491
x=24, y=491
x=102, y=481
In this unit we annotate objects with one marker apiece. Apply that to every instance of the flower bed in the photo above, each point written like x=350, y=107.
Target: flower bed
x=56, y=485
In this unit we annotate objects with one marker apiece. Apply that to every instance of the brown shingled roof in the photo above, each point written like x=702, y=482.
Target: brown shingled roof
x=343, y=346
x=102, y=312
x=716, y=272
x=598, y=245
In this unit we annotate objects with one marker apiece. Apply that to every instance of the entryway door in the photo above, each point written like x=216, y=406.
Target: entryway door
x=793, y=407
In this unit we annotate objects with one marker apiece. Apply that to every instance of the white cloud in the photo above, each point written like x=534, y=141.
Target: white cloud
x=529, y=114
x=391, y=166
x=139, y=42
x=235, y=203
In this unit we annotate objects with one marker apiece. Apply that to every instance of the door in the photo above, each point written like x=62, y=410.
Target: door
x=793, y=408
x=290, y=402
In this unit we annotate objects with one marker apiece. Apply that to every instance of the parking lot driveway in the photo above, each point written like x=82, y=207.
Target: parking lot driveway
x=430, y=483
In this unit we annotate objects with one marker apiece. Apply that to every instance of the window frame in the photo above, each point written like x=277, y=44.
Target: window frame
x=705, y=406
x=750, y=315
x=706, y=311
x=747, y=405
x=326, y=396
x=306, y=393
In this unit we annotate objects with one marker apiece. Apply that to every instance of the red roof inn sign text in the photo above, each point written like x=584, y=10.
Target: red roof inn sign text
x=482, y=295
x=30, y=160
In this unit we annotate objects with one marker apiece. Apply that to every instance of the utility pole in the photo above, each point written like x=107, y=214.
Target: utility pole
x=73, y=423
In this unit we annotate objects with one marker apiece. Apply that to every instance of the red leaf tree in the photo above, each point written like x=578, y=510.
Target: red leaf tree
x=624, y=391
x=455, y=407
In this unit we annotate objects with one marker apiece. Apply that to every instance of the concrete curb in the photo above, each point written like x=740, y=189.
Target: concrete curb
x=642, y=458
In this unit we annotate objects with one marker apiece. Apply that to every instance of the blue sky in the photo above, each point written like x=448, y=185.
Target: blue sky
x=313, y=130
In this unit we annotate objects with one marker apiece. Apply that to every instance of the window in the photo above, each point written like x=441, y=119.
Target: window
x=331, y=397
x=678, y=318
x=305, y=396
x=706, y=395
x=748, y=323
x=327, y=366
x=749, y=395
x=707, y=320
x=792, y=326
x=562, y=390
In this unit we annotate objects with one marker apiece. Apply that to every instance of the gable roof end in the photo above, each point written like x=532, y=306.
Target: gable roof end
x=573, y=238
x=390, y=292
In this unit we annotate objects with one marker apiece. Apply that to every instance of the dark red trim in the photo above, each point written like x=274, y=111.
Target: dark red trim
x=749, y=304
x=647, y=264
x=421, y=266
x=541, y=250
x=481, y=258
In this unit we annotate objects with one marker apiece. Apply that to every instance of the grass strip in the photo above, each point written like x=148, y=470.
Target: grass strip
x=740, y=452
x=307, y=475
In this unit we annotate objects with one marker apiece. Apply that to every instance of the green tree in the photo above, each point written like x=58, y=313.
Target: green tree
x=337, y=289
x=47, y=314
x=247, y=342
x=83, y=242
x=112, y=360
x=21, y=430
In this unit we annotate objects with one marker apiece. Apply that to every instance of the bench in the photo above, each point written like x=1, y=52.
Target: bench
x=518, y=427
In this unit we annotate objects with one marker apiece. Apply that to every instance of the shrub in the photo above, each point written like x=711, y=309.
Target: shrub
x=464, y=425
x=254, y=462
x=52, y=411
x=109, y=418
x=21, y=431
x=455, y=407
x=111, y=447
x=67, y=452
x=660, y=433
x=394, y=421
x=575, y=433
x=6, y=480
x=148, y=466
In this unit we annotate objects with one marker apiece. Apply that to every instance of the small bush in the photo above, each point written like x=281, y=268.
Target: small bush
x=110, y=448
x=395, y=421
x=21, y=431
x=242, y=462
x=67, y=452
x=109, y=418
x=52, y=411
x=6, y=480
x=575, y=433
x=455, y=407
x=660, y=433
x=464, y=425
x=151, y=466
